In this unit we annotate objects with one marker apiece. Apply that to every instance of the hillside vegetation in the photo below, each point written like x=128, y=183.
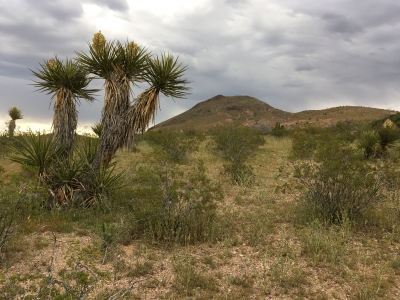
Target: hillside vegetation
x=307, y=213
x=251, y=112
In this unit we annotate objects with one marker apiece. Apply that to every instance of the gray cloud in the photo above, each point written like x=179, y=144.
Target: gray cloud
x=292, y=54
x=117, y=5
x=340, y=24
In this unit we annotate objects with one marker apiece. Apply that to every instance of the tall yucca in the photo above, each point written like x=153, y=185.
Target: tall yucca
x=15, y=114
x=68, y=83
x=121, y=65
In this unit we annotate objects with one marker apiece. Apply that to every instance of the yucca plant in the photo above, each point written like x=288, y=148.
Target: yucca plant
x=36, y=150
x=97, y=128
x=122, y=65
x=369, y=143
x=67, y=82
x=103, y=183
x=15, y=114
x=388, y=134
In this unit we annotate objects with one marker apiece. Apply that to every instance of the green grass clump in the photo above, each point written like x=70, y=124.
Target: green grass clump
x=188, y=279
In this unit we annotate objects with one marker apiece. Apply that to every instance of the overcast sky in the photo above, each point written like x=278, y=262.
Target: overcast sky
x=293, y=54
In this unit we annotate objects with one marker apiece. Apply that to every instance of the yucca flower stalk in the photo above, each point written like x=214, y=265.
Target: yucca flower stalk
x=67, y=82
x=15, y=114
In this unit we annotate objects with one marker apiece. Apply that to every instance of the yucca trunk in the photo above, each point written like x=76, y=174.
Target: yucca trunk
x=65, y=119
x=11, y=128
x=113, y=120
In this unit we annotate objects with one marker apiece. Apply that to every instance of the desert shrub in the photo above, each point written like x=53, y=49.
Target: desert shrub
x=306, y=140
x=4, y=140
x=337, y=184
x=8, y=222
x=344, y=130
x=235, y=145
x=15, y=207
x=173, y=207
x=176, y=144
x=303, y=144
x=279, y=131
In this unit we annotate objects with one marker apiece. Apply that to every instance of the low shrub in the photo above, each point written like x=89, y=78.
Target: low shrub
x=173, y=207
x=235, y=145
x=279, y=131
x=303, y=144
x=176, y=144
x=337, y=184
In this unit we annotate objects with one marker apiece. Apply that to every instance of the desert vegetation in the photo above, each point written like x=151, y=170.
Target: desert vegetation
x=232, y=212
x=308, y=215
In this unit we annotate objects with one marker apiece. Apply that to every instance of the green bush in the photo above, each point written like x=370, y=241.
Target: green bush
x=337, y=184
x=303, y=144
x=4, y=140
x=306, y=140
x=176, y=144
x=235, y=145
x=172, y=207
x=279, y=131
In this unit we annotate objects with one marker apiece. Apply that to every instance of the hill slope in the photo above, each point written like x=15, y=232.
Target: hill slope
x=249, y=111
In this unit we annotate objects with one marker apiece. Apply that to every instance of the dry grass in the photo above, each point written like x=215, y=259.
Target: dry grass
x=267, y=251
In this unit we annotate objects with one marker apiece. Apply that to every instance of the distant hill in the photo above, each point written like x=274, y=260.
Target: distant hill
x=249, y=111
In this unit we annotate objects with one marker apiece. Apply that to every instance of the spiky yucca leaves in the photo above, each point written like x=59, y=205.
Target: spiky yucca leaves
x=15, y=114
x=68, y=83
x=36, y=150
x=388, y=134
x=97, y=128
x=164, y=75
x=369, y=143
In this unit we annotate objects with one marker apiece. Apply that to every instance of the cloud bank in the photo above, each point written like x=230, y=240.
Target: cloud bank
x=294, y=55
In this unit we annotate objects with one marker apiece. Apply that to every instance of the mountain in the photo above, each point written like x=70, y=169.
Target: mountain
x=249, y=111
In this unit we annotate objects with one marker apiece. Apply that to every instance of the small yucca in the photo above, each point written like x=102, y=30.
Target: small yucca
x=15, y=114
